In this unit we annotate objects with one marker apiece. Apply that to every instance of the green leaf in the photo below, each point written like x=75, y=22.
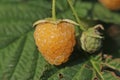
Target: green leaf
x=19, y=57
x=115, y=63
x=93, y=11
x=110, y=76
x=84, y=74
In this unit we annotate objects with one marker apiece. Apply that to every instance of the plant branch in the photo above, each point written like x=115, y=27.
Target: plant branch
x=76, y=16
x=53, y=10
x=94, y=66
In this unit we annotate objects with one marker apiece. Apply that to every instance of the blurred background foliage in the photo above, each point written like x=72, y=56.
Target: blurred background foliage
x=20, y=59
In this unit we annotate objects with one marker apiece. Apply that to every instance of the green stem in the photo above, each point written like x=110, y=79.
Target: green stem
x=53, y=10
x=76, y=16
x=94, y=66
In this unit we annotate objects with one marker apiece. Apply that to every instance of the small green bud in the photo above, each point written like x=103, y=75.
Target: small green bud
x=91, y=39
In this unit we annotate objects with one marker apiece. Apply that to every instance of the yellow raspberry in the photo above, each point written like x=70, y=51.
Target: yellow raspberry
x=55, y=40
x=111, y=4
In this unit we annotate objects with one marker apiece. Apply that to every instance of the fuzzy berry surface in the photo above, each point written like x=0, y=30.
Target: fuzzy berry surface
x=55, y=41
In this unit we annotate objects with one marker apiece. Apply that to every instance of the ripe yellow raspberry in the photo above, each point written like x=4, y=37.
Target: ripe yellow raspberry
x=111, y=4
x=55, y=40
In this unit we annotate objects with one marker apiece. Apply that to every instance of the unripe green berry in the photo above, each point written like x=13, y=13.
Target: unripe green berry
x=91, y=39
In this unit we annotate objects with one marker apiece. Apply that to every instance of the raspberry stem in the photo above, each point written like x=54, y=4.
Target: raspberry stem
x=96, y=69
x=82, y=27
x=53, y=10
